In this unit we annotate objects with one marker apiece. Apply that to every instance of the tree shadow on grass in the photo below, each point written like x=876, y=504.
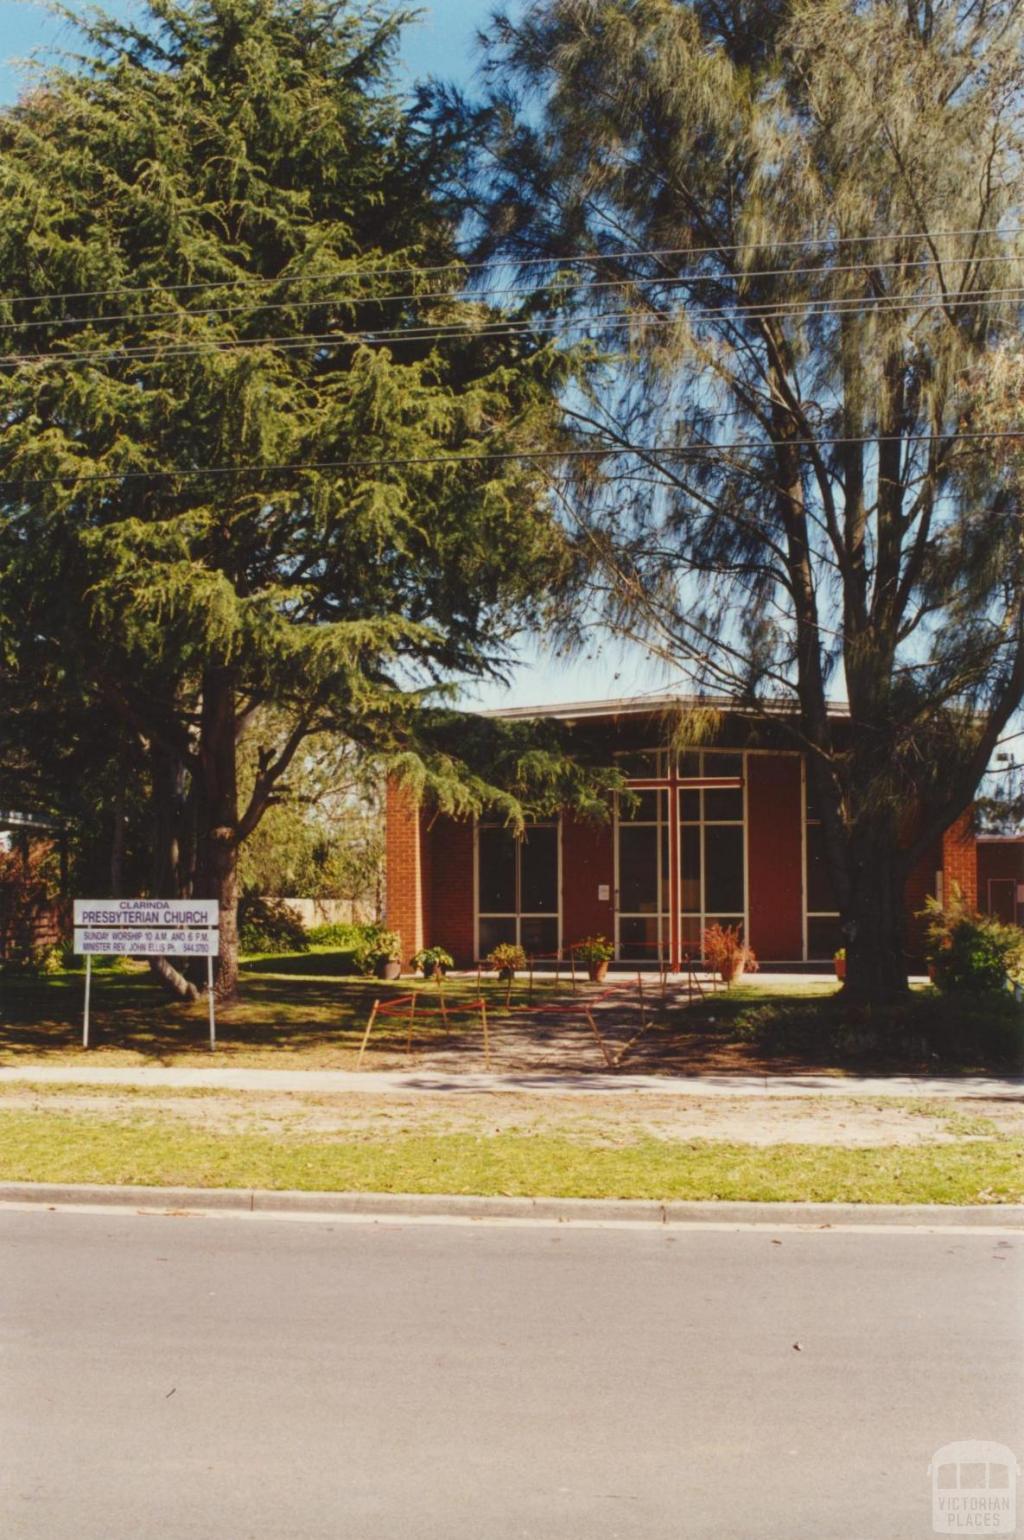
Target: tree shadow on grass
x=319, y=1021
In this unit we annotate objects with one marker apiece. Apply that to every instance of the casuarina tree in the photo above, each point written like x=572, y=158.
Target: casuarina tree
x=793, y=229
x=260, y=460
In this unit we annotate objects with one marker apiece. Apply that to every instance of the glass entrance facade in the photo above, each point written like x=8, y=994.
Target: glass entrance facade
x=680, y=851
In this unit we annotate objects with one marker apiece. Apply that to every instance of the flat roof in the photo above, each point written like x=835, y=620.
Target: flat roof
x=651, y=705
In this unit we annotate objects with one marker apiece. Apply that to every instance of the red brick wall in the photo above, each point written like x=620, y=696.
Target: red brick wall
x=30, y=923
x=960, y=857
x=1000, y=858
x=451, y=889
x=403, y=869
x=588, y=862
x=775, y=856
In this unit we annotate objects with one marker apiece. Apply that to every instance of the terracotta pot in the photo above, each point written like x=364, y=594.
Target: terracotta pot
x=388, y=969
x=598, y=971
x=840, y=967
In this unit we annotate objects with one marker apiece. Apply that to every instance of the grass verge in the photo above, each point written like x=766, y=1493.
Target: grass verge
x=42, y=1147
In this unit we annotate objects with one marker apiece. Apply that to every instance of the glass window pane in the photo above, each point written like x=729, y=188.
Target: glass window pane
x=689, y=806
x=824, y=938
x=539, y=937
x=666, y=870
x=723, y=865
x=641, y=807
x=497, y=871
x=494, y=933
x=692, y=945
x=690, y=842
x=727, y=805
x=539, y=874
x=720, y=765
x=689, y=766
x=638, y=939
x=638, y=869
x=644, y=765
x=819, y=884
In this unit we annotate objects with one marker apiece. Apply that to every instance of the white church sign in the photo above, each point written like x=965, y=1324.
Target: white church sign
x=147, y=927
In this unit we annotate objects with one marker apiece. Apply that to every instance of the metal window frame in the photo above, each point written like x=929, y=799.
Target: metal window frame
x=556, y=823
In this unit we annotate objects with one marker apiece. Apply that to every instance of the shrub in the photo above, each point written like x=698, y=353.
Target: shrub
x=972, y=953
x=507, y=959
x=269, y=925
x=433, y=960
x=35, y=962
x=343, y=937
x=962, y=1031
x=726, y=951
x=594, y=949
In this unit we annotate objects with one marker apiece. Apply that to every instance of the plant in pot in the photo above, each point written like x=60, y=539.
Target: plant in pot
x=508, y=960
x=433, y=962
x=384, y=953
x=726, y=951
x=597, y=952
x=839, y=962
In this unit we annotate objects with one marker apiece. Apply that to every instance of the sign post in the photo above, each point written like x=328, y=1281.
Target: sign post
x=147, y=927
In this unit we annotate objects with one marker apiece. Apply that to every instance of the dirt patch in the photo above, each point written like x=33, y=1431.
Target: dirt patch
x=613, y=1121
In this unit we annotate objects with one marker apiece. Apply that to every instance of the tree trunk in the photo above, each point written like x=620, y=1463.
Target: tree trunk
x=219, y=861
x=873, y=923
x=167, y=788
x=117, y=842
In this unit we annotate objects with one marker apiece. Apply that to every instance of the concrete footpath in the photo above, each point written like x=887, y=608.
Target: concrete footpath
x=437, y=1208
x=432, y=1082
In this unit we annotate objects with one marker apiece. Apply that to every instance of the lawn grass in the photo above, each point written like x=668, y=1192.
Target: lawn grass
x=145, y=1151
x=307, y=1022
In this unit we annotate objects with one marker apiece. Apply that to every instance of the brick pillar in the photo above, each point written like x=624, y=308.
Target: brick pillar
x=404, y=869
x=960, y=858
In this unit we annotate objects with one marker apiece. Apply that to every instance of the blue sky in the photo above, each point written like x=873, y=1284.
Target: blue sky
x=441, y=43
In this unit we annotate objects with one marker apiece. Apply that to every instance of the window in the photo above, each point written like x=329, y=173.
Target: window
x=643, y=876
x=712, y=844
x=824, y=937
x=517, y=889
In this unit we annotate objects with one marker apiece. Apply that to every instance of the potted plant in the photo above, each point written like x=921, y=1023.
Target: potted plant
x=507, y=959
x=433, y=961
x=384, y=953
x=839, y=962
x=726, y=951
x=597, y=952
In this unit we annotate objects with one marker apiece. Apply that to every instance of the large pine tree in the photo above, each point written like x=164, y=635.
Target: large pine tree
x=238, y=468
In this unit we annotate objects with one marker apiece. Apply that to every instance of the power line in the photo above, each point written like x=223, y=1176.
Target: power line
x=839, y=241
x=467, y=295
x=644, y=451
x=815, y=309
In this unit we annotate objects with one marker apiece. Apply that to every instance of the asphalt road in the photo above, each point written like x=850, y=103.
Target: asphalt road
x=262, y=1379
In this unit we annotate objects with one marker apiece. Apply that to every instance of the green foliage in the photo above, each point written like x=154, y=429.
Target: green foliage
x=269, y=925
x=234, y=192
x=381, y=946
x=431, y=960
x=594, y=949
x=972, y=953
x=507, y=959
x=781, y=199
x=955, y=1031
x=343, y=937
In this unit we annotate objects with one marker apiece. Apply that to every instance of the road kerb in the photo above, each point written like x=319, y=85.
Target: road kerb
x=424, y=1206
